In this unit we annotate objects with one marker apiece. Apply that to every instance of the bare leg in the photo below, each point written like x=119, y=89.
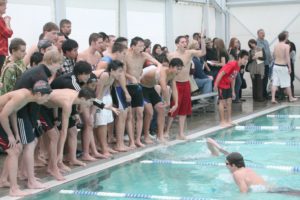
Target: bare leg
x=101, y=133
x=147, y=121
x=181, y=135
x=169, y=124
x=110, y=133
x=28, y=160
x=229, y=103
x=129, y=128
x=72, y=143
x=12, y=164
x=289, y=93
x=222, y=104
x=86, y=135
x=120, y=128
x=40, y=152
x=52, y=149
x=160, y=121
x=273, y=92
x=4, y=175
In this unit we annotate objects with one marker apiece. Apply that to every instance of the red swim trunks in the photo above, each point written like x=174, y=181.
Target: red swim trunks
x=184, y=99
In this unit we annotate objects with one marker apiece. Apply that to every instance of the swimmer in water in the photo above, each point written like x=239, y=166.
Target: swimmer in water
x=245, y=178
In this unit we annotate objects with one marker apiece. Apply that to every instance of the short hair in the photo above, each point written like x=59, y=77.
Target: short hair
x=104, y=35
x=243, y=53
x=86, y=93
x=44, y=44
x=282, y=36
x=147, y=43
x=177, y=40
x=15, y=44
x=94, y=37
x=259, y=30
x=50, y=26
x=118, y=47
x=121, y=39
x=236, y=159
x=64, y=22
x=135, y=40
x=114, y=65
x=251, y=41
x=36, y=58
x=82, y=67
x=93, y=78
x=41, y=86
x=176, y=62
x=193, y=44
x=52, y=56
x=69, y=45
x=196, y=35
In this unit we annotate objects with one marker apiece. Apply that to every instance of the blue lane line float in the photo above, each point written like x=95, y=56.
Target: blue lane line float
x=261, y=128
x=254, y=142
x=284, y=116
x=127, y=195
x=173, y=162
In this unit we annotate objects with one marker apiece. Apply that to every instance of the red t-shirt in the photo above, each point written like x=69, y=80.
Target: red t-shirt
x=231, y=70
x=5, y=33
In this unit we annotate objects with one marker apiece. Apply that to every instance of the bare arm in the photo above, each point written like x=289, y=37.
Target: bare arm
x=13, y=119
x=174, y=95
x=101, y=85
x=202, y=52
x=122, y=82
x=153, y=60
x=288, y=59
x=163, y=85
x=218, y=79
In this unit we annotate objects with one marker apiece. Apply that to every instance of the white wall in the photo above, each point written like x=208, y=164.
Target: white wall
x=273, y=19
x=91, y=16
x=146, y=18
x=28, y=18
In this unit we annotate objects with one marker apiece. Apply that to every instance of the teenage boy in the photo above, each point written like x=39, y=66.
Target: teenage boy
x=224, y=83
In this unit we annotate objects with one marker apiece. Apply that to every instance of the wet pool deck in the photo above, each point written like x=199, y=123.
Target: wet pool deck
x=199, y=121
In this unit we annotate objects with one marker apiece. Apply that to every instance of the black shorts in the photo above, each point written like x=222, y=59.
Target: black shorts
x=224, y=93
x=151, y=96
x=136, y=93
x=118, y=97
x=26, y=128
x=47, y=118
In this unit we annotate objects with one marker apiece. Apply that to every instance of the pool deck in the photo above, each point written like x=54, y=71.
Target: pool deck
x=200, y=123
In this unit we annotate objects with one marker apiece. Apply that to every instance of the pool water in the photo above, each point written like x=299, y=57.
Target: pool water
x=200, y=181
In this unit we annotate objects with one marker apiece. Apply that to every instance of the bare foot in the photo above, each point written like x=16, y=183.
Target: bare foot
x=139, y=144
x=166, y=136
x=99, y=155
x=17, y=193
x=88, y=157
x=77, y=163
x=121, y=148
x=35, y=185
x=56, y=174
x=4, y=184
x=181, y=137
x=63, y=167
x=107, y=154
x=293, y=99
x=111, y=140
x=22, y=177
x=132, y=146
x=224, y=124
x=148, y=141
x=40, y=163
x=274, y=102
x=161, y=140
x=110, y=150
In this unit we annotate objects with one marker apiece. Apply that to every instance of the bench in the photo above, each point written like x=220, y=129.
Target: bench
x=204, y=100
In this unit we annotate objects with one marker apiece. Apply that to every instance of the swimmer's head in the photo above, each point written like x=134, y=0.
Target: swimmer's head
x=236, y=159
x=41, y=90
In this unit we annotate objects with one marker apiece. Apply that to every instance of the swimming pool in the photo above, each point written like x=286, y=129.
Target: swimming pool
x=196, y=180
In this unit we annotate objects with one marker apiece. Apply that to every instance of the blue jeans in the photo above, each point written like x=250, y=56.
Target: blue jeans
x=205, y=85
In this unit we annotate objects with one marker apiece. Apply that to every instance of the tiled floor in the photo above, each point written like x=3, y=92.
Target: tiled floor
x=200, y=120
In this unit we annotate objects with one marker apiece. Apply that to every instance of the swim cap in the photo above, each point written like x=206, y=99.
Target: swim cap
x=41, y=86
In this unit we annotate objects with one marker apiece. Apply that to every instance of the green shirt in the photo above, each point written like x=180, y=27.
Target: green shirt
x=10, y=73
